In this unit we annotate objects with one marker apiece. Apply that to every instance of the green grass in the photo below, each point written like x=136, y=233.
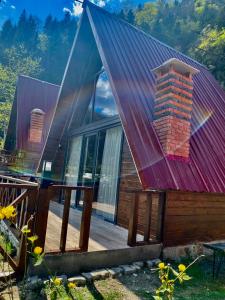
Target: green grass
x=143, y=284
x=202, y=286
x=89, y=292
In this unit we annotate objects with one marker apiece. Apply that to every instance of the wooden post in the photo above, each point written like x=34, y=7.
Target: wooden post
x=86, y=220
x=133, y=219
x=31, y=198
x=148, y=217
x=161, y=206
x=65, y=220
x=41, y=220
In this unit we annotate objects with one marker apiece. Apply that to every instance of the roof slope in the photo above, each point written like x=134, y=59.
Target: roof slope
x=30, y=93
x=129, y=55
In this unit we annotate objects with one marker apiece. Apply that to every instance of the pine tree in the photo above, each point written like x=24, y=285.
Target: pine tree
x=7, y=34
x=130, y=17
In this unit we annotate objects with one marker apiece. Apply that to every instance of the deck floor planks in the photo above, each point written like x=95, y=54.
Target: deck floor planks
x=103, y=235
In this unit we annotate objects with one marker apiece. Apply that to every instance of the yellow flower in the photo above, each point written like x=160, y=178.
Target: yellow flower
x=33, y=238
x=57, y=281
x=8, y=211
x=161, y=266
x=38, y=250
x=25, y=229
x=71, y=285
x=1, y=216
x=182, y=268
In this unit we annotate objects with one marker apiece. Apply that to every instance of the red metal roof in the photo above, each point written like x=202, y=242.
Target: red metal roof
x=30, y=94
x=128, y=56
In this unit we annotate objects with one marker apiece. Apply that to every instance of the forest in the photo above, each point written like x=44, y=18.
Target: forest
x=41, y=49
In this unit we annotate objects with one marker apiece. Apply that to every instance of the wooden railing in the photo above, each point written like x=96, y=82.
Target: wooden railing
x=22, y=195
x=149, y=237
x=7, y=158
x=53, y=192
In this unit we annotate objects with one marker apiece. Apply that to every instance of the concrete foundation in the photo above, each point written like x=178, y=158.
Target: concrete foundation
x=191, y=250
x=76, y=263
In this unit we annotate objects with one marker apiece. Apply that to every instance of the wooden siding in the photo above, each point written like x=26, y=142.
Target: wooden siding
x=129, y=180
x=193, y=217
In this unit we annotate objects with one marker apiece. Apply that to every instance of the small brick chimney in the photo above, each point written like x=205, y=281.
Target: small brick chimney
x=36, y=125
x=173, y=107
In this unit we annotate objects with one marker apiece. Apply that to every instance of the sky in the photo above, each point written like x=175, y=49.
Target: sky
x=42, y=8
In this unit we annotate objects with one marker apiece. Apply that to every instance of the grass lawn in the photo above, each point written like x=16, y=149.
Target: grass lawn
x=143, y=284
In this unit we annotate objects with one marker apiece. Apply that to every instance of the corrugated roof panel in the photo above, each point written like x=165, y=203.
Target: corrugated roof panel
x=33, y=93
x=129, y=55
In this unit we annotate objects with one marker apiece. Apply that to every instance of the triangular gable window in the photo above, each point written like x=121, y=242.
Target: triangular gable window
x=102, y=104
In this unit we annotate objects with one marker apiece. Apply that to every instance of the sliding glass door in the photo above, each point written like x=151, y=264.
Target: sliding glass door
x=73, y=165
x=107, y=192
x=94, y=161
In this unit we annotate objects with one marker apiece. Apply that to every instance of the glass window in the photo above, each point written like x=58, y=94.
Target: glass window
x=104, y=103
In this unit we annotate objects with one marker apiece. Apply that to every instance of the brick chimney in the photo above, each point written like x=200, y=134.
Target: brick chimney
x=36, y=125
x=173, y=107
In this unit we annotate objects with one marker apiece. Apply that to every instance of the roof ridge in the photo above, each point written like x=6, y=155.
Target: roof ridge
x=36, y=79
x=142, y=31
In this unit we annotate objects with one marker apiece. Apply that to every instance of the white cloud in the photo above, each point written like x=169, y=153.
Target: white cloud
x=12, y=6
x=65, y=10
x=101, y=3
x=77, y=6
x=104, y=88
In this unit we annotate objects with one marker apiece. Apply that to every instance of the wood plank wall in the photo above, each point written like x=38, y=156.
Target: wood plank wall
x=129, y=180
x=193, y=217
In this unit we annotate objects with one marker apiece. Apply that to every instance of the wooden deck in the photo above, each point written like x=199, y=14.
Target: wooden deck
x=103, y=235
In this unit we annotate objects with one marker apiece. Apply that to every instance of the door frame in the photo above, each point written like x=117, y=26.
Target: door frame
x=92, y=129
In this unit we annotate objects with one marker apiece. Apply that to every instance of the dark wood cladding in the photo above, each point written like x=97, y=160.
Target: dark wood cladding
x=193, y=217
x=129, y=180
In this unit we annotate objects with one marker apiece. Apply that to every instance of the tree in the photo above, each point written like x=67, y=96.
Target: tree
x=210, y=51
x=130, y=17
x=7, y=34
x=58, y=38
x=17, y=61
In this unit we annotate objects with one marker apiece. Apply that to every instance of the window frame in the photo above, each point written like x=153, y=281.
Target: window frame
x=93, y=101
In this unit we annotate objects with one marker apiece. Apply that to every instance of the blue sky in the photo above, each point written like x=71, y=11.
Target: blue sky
x=41, y=8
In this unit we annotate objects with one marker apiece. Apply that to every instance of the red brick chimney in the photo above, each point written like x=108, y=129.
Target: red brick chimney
x=36, y=125
x=173, y=107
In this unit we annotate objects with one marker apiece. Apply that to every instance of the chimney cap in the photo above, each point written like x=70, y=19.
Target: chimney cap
x=37, y=111
x=180, y=66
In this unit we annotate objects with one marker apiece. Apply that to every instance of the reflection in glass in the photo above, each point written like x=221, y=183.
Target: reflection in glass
x=104, y=104
x=73, y=163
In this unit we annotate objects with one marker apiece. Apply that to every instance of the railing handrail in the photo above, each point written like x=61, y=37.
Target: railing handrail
x=16, y=185
x=43, y=209
x=16, y=180
x=70, y=187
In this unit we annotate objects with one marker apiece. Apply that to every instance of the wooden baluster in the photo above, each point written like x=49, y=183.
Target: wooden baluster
x=133, y=219
x=148, y=216
x=31, y=208
x=86, y=220
x=22, y=257
x=65, y=220
x=21, y=212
